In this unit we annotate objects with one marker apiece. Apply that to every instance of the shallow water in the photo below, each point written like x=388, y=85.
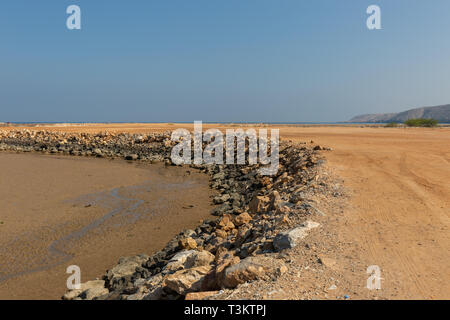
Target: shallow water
x=58, y=211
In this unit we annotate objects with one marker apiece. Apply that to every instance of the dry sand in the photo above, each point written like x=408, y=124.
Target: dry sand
x=398, y=213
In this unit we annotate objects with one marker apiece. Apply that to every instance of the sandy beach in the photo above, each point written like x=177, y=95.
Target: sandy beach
x=397, y=213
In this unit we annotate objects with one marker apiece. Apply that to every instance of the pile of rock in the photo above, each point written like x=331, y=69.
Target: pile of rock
x=147, y=147
x=256, y=217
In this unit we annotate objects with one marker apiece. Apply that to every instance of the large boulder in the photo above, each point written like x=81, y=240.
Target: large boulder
x=187, y=243
x=249, y=269
x=92, y=293
x=97, y=286
x=120, y=276
x=290, y=238
x=190, y=280
x=188, y=259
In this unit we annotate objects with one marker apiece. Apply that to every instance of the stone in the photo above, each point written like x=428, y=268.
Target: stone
x=72, y=294
x=289, y=239
x=221, y=233
x=249, y=269
x=131, y=157
x=177, y=262
x=327, y=262
x=188, y=259
x=155, y=294
x=275, y=200
x=199, y=258
x=243, y=234
x=154, y=282
x=98, y=152
x=121, y=274
x=185, y=281
x=187, y=243
x=226, y=223
x=93, y=293
x=219, y=211
x=258, y=204
x=282, y=270
x=219, y=176
x=221, y=199
x=242, y=219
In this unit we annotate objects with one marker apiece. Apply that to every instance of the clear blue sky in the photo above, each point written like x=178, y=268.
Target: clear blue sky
x=220, y=60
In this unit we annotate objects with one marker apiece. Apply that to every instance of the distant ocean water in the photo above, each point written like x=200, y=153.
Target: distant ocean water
x=207, y=122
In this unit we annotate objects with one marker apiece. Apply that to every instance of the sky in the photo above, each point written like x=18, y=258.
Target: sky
x=220, y=60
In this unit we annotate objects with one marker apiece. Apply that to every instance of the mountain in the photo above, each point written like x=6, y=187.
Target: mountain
x=440, y=113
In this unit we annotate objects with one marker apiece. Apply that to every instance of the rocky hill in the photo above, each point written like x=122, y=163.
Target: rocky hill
x=440, y=113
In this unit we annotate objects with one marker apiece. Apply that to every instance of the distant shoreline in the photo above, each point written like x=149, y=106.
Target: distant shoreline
x=299, y=124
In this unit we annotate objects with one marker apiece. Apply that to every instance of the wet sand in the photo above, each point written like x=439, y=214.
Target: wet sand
x=58, y=211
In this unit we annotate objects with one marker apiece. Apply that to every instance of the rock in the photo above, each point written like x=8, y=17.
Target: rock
x=258, y=204
x=281, y=270
x=221, y=233
x=185, y=281
x=200, y=295
x=188, y=233
x=188, y=244
x=327, y=262
x=290, y=238
x=242, y=219
x=188, y=259
x=283, y=219
x=199, y=258
x=219, y=211
x=131, y=157
x=226, y=223
x=72, y=294
x=154, y=282
x=249, y=269
x=93, y=293
x=224, y=260
x=121, y=274
x=243, y=234
x=275, y=200
x=219, y=176
x=98, y=152
x=178, y=261
x=221, y=199
x=155, y=294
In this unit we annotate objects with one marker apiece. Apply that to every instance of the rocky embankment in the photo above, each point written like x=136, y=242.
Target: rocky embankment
x=256, y=217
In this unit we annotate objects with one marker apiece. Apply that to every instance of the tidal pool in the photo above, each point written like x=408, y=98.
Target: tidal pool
x=57, y=211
